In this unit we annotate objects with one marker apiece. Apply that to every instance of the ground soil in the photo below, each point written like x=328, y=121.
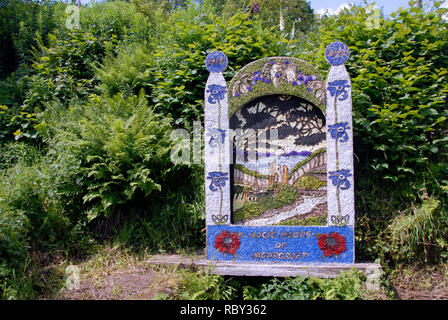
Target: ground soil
x=131, y=284
x=149, y=282
x=141, y=283
x=421, y=283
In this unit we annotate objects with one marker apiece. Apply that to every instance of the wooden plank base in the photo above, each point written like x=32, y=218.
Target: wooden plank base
x=260, y=269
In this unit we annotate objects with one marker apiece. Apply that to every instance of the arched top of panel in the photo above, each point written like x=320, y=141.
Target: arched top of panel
x=276, y=75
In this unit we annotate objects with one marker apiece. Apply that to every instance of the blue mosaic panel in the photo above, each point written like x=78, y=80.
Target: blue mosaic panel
x=216, y=61
x=280, y=244
x=337, y=53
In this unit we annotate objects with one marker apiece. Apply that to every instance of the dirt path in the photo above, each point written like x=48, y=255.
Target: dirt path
x=421, y=283
x=134, y=284
x=145, y=282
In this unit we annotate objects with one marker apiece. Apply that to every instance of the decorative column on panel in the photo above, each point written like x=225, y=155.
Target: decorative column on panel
x=216, y=150
x=340, y=186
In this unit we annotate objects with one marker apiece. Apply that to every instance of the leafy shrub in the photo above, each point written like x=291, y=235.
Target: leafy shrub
x=64, y=71
x=173, y=74
x=348, y=285
x=121, y=146
x=204, y=286
x=31, y=219
x=127, y=73
x=28, y=191
x=11, y=96
x=171, y=220
x=418, y=236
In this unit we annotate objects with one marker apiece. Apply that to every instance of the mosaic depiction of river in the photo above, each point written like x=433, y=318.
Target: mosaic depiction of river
x=279, y=181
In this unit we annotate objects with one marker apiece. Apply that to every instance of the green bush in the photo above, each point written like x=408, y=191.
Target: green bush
x=13, y=241
x=204, y=286
x=348, y=285
x=63, y=64
x=104, y=99
x=172, y=220
x=285, y=195
x=121, y=146
x=21, y=21
x=311, y=221
x=33, y=219
x=289, y=289
x=418, y=236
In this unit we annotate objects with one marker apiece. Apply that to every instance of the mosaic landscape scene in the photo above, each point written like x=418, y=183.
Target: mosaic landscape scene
x=279, y=171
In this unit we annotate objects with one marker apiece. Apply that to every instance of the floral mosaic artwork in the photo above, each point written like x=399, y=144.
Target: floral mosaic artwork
x=216, y=61
x=337, y=53
x=217, y=93
x=332, y=245
x=339, y=130
x=286, y=196
x=227, y=242
x=285, y=179
x=338, y=88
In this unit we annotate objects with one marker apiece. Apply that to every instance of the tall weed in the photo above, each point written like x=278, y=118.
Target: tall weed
x=418, y=235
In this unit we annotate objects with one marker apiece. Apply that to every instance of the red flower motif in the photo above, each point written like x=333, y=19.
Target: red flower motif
x=227, y=242
x=332, y=244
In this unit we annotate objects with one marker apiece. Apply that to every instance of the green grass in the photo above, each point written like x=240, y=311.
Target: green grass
x=251, y=209
x=311, y=221
x=309, y=182
x=305, y=161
